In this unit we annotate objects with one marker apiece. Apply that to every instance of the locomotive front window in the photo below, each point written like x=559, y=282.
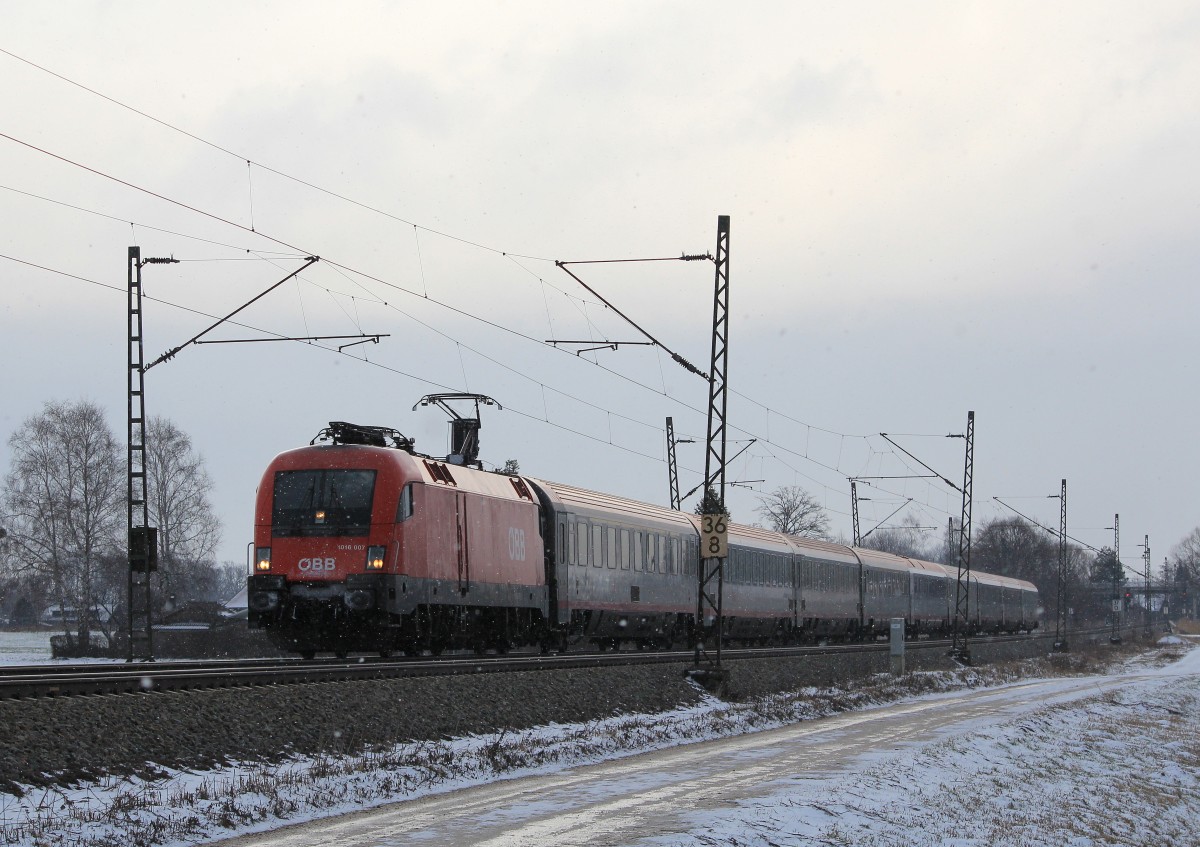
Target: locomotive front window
x=322, y=503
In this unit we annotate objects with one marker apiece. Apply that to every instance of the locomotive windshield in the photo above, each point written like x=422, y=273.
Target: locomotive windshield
x=323, y=502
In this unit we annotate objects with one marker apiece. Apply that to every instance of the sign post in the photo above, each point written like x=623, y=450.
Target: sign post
x=897, y=646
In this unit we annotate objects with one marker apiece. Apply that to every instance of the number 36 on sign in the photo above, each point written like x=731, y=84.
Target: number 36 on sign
x=714, y=537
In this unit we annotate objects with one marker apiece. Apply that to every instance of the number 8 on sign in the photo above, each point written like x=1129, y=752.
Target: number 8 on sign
x=714, y=537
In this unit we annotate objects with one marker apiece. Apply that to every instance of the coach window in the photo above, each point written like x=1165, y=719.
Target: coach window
x=581, y=535
x=610, y=556
x=623, y=548
x=597, y=545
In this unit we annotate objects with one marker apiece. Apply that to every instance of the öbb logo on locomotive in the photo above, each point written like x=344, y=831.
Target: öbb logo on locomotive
x=364, y=546
x=317, y=564
x=516, y=544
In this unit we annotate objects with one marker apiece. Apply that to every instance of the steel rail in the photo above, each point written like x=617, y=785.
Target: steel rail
x=30, y=681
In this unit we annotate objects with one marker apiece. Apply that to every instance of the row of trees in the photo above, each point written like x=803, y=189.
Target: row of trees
x=64, y=508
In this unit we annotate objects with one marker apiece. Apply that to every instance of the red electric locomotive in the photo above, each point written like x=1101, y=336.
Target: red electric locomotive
x=361, y=544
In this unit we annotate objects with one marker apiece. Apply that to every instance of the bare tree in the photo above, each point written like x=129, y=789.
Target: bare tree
x=178, y=488
x=792, y=510
x=64, y=493
x=1185, y=557
x=1014, y=547
x=1184, y=573
x=909, y=539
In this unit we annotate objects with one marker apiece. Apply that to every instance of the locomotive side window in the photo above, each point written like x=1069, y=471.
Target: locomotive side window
x=405, y=509
x=322, y=503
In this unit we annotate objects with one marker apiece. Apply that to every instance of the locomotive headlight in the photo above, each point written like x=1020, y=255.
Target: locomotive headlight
x=319, y=517
x=262, y=559
x=375, y=558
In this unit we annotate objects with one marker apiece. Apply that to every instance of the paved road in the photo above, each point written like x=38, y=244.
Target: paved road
x=656, y=794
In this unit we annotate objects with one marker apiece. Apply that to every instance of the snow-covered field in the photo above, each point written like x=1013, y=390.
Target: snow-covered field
x=33, y=648
x=1120, y=766
x=25, y=648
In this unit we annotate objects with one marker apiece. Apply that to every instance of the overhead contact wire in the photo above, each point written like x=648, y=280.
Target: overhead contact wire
x=279, y=173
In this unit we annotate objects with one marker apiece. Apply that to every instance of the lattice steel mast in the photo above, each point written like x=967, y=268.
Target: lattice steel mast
x=1146, y=563
x=672, y=468
x=142, y=538
x=854, y=512
x=1060, y=617
x=962, y=597
x=1115, y=636
x=711, y=571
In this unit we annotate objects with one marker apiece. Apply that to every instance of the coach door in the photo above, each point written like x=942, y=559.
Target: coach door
x=462, y=543
x=557, y=566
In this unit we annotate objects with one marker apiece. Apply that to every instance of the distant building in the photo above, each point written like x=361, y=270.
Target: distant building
x=61, y=616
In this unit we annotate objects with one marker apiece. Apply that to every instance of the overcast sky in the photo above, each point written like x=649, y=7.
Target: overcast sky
x=935, y=208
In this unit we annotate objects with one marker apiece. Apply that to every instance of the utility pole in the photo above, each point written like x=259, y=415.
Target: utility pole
x=1060, y=618
x=962, y=597
x=711, y=566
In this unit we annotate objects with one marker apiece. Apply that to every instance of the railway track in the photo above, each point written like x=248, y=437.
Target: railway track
x=33, y=681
